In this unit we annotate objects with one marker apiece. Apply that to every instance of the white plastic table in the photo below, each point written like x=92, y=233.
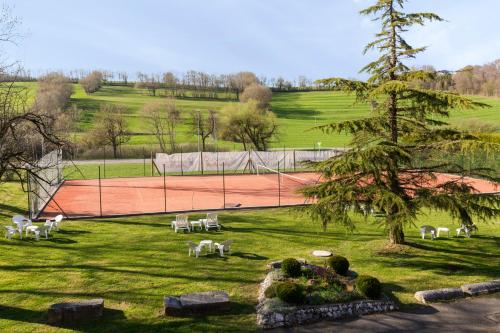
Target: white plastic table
x=21, y=225
x=207, y=242
x=443, y=229
x=196, y=224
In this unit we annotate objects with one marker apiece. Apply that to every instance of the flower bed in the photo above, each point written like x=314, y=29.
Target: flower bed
x=326, y=295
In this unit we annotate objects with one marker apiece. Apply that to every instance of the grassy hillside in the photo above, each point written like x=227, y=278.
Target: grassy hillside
x=298, y=114
x=133, y=262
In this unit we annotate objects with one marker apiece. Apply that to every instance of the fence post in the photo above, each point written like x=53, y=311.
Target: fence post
x=144, y=161
x=100, y=194
x=182, y=170
x=224, y=185
x=104, y=161
x=279, y=185
x=30, y=215
x=165, y=188
x=294, y=160
x=152, y=166
x=284, y=158
x=201, y=161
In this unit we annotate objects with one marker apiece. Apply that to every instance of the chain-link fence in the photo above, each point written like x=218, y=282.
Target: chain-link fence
x=44, y=179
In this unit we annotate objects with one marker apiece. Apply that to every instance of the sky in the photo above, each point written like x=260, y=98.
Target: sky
x=315, y=38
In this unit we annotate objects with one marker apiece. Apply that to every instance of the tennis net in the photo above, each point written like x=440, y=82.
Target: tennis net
x=286, y=180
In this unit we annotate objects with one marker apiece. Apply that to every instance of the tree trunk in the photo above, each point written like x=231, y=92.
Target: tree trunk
x=396, y=235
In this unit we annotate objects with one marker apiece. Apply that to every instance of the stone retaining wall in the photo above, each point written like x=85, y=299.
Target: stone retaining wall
x=299, y=315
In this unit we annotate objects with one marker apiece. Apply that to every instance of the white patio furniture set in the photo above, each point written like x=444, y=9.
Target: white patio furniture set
x=23, y=224
x=182, y=223
x=433, y=232
x=222, y=247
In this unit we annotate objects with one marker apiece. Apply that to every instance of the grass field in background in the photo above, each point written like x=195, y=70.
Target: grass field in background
x=133, y=262
x=298, y=113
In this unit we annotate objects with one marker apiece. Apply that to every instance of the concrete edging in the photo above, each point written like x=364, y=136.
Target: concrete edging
x=449, y=294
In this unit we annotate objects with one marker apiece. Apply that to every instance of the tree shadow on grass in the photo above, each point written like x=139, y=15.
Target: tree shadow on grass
x=72, y=232
x=131, y=223
x=20, y=314
x=114, y=320
x=59, y=240
x=109, y=316
x=248, y=256
x=11, y=210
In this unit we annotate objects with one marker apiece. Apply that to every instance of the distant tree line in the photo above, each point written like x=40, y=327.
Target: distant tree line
x=470, y=80
x=250, y=122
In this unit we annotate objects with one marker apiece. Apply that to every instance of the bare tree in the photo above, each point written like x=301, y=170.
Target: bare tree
x=20, y=124
x=92, y=82
x=123, y=77
x=163, y=118
x=170, y=81
x=110, y=127
x=149, y=82
x=303, y=82
x=203, y=125
x=262, y=95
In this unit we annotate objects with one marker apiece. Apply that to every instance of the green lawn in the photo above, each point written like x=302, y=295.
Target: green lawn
x=298, y=114
x=133, y=262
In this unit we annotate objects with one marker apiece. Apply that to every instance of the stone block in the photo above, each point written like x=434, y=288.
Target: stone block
x=196, y=303
x=79, y=312
x=437, y=295
x=475, y=289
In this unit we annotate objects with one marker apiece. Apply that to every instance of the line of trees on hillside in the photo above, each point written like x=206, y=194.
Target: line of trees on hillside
x=474, y=80
x=471, y=80
x=249, y=122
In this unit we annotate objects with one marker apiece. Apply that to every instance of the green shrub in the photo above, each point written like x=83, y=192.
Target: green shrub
x=368, y=286
x=290, y=292
x=339, y=264
x=291, y=267
x=270, y=291
x=308, y=273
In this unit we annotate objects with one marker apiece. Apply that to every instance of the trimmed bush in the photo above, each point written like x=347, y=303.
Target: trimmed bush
x=339, y=264
x=291, y=267
x=270, y=291
x=308, y=273
x=369, y=286
x=290, y=292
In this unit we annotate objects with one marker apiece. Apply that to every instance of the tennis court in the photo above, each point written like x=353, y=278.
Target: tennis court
x=168, y=194
x=144, y=195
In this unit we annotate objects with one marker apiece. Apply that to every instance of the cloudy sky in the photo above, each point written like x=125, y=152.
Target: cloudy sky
x=316, y=38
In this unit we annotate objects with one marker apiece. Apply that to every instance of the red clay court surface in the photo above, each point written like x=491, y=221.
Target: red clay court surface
x=143, y=195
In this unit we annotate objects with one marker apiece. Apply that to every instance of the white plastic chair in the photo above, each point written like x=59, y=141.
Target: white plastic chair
x=11, y=231
x=196, y=249
x=21, y=222
x=224, y=246
x=46, y=228
x=57, y=221
x=35, y=230
x=181, y=223
x=212, y=222
x=428, y=229
x=467, y=229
